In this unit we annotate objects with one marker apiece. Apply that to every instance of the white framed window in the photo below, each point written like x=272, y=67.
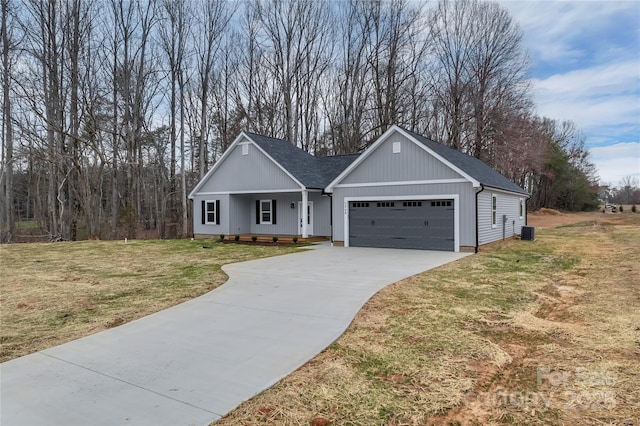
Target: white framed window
x=397, y=147
x=245, y=148
x=521, y=213
x=211, y=212
x=494, y=210
x=266, y=212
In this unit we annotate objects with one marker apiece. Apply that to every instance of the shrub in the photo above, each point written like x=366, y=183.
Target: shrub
x=275, y=239
x=620, y=209
x=254, y=238
x=236, y=237
x=295, y=240
x=633, y=208
x=221, y=237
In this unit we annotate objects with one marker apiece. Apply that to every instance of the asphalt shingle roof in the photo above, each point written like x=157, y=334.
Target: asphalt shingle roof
x=470, y=165
x=312, y=172
x=319, y=172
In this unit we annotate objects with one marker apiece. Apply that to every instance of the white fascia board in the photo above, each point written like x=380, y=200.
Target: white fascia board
x=361, y=158
x=206, y=177
x=473, y=181
x=400, y=183
x=267, y=191
x=504, y=191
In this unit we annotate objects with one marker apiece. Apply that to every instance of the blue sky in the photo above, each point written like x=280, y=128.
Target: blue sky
x=585, y=58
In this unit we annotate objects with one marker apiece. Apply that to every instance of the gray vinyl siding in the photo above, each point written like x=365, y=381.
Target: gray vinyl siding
x=466, y=203
x=254, y=171
x=507, y=204
x=243, y=211
x=321, y=214
x=410, y=164
x=223, y=227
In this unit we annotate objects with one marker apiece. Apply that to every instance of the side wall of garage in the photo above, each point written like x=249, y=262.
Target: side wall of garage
x=510, y=215
x=465, y=204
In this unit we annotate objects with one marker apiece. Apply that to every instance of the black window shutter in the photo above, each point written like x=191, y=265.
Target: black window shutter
x=217, y=212
x=257, y=212
x=273, y=212
x=204, y=211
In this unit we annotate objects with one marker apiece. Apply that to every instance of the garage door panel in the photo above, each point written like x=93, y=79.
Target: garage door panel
x=416, y=224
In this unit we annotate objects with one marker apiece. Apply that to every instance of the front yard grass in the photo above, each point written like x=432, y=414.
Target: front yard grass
x=51, y=293
x=535, y=333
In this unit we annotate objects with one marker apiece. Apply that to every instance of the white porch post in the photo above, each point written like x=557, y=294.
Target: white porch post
x=305, y=213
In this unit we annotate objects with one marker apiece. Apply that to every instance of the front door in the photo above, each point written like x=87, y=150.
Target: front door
x=309, y=218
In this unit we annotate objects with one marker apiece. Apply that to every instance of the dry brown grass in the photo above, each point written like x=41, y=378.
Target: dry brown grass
x=56, y=292
x=544, y=332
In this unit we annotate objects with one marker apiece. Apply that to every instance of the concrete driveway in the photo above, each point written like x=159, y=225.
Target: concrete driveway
x=191, y=364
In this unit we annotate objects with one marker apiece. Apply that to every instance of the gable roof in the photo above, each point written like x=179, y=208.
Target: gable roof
x=471, y=168
x=313, y=172
x=305, y=169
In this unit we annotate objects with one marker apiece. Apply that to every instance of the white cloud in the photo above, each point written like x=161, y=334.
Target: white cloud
x=617, y=161
x=586, y=65
x=598, y=99
x=556, y=31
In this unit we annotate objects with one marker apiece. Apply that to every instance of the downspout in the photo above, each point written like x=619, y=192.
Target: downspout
x=477, y=221
x=330, y=216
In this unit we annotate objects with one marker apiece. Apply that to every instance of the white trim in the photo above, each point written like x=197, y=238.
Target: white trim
x=301, y=222
x=504, y=191
x=237, y=141
x=279, y=165
x=403, y=182
x=206, y=212
x=456, y=211
x=379, y=142
x=521, y=208
x=268, y=191
x=494, y=210
x=207, y=175
x=270, y=221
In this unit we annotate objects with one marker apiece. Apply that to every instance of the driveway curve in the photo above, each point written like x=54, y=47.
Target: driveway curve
x=195, y=362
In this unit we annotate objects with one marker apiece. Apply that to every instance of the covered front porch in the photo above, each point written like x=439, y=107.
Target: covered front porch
x=294, y=213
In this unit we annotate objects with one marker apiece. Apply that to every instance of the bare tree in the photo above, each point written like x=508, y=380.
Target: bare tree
x=207, y=40
x=6, y=173
x=294, y=36
x=173, y=34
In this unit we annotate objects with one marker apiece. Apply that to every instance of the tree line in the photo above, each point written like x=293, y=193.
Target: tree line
x=112, y=110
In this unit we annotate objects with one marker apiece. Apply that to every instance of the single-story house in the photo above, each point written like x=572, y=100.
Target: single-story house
x=404, y=191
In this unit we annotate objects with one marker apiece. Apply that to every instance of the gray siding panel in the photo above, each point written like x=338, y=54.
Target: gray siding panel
x=411, y=163
x=243, y=210
x=466, y=203
x=507, y=204
x=251, y=172
x=223, y=227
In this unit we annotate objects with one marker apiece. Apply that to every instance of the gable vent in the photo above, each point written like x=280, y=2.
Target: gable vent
x=396, y=147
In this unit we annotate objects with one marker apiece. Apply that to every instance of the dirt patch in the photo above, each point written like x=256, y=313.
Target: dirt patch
x=548, y=218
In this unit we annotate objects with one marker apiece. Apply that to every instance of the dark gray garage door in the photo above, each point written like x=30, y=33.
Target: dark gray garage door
x=413, y=224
